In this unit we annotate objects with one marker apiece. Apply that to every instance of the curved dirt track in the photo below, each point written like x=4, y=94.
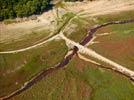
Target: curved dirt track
x=88, y=60
x=31, y=47
x=77, y=48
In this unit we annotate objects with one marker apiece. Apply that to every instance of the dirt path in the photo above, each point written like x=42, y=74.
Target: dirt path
x=91, y=53
x=31, y=47
x=88, y=60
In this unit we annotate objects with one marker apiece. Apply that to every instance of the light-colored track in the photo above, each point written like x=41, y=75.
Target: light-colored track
x=91, y=53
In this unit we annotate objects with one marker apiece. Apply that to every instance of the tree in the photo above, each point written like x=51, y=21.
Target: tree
x=21, y=8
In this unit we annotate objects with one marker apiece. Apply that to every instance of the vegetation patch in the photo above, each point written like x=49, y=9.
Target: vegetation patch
x=72, y=84
x=25, y=41
x=15, y=69
x=116, y=16
x=118, y=45
x=78, y=28
x=23, y=8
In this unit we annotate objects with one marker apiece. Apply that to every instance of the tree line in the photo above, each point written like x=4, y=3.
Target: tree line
x=22, y=8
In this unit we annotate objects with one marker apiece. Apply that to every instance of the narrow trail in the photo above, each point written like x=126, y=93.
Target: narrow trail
x=78, y=47
x=31, y=47
x=88, y=60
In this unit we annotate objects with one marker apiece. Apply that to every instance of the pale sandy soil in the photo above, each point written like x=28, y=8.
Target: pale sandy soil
x=102, y=6
x=47, y=19
x=17, y=30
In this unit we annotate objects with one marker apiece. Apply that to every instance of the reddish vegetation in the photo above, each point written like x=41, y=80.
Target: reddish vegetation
x=80, y=65
x=103, y=30
x=82, y=89
x=85, y=90
x=119, y=48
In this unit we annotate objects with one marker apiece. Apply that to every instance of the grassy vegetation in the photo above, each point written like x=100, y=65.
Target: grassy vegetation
x=123, y=31
x=35, y=36
x=81, y=80
x=25, y=41
x=116, y=16
x=9, y=21
x=15, y=69
x=78, y=28
x=118, y=45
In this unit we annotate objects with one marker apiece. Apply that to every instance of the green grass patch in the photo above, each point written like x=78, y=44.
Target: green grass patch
x=26, y=40
x=123, y=31
x=125, y=15
x=30, y=62
x=78, y=28
x=72, y=83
